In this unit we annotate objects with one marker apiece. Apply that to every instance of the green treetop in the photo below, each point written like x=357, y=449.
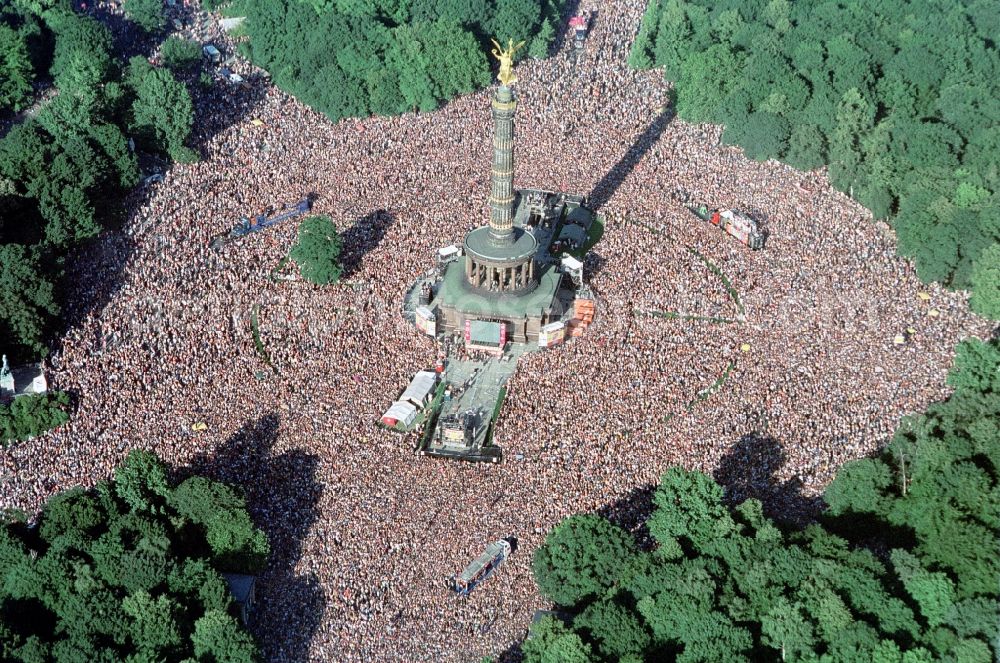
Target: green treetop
x=317, y=253
x=147, y=14
x=115, y=573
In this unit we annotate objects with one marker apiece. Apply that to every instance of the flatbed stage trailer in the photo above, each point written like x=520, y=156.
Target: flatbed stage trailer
x=481, y=567
x=455, y=437
x=579, y=25
x=260, y=222
x=743, y=228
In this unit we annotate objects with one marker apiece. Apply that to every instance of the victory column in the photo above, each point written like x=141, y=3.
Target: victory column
x=510, y=289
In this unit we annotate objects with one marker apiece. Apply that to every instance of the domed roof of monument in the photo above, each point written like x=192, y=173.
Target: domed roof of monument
x=519, y=246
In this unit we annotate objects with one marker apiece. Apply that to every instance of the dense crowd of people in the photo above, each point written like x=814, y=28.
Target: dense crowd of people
x=365, y=533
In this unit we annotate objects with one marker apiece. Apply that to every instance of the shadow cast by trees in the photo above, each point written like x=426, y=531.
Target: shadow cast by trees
x=749, y=469
x=563, y=33
x=282, y=494
x=631, y=511
x=216, y=108
x=608, y=185
x=93, y=274
x=364, y=235
x=129, y=39
x=512, y=654
x=222, y=105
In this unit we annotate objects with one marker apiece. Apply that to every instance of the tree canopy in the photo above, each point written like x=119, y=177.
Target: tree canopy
x=66, y=167
x=900, y=567
x=580, y=559
x=180, y=54
x=353, y=58
x=16, y=70
x=162, y=113
x=32, y=415
x=147, y=14
x=27, y=298
x=317, y=253
x=896, y=97
x=129, y=570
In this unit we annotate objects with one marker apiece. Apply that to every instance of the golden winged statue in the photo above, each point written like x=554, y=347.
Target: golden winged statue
x=506, y=58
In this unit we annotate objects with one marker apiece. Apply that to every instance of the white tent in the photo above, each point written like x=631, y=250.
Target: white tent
x=571, y=264
x=448, y=252
x=400, y=412
x=420, y=388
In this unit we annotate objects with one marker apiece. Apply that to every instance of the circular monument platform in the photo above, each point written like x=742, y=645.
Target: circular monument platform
x=501, y=264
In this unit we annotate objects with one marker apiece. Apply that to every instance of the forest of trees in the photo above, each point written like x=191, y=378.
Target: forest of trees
x=129, y=571
x=354, y=58
x=66, y=165
x=896, y=97
x=901, y=566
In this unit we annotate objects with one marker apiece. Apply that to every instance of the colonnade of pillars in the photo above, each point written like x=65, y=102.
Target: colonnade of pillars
x=492, y=277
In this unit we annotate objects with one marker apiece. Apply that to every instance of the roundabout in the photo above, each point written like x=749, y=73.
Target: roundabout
x=363, y=531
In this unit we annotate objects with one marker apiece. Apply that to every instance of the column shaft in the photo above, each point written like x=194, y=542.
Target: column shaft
x=502, y=176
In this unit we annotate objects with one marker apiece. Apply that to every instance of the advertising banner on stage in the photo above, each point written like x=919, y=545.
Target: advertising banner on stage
x=551, y=334
x=426, y=321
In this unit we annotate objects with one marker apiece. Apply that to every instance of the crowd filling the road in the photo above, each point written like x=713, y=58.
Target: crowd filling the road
x=364, y=532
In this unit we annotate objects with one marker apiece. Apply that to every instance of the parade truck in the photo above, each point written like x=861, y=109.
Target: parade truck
x=260, y=222
x=579, y=25
x=481, y=567
x=742, y=227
